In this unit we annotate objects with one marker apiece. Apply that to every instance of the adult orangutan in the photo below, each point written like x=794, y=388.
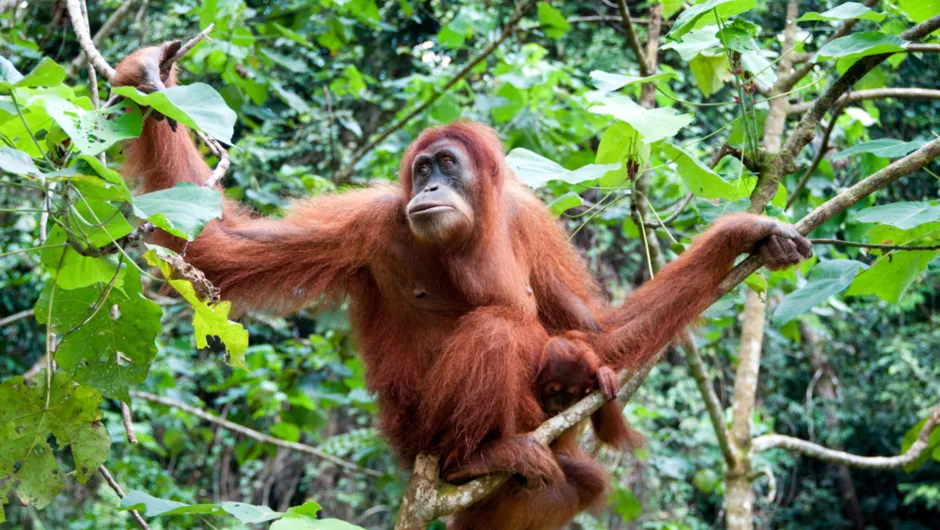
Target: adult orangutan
x=457, y=278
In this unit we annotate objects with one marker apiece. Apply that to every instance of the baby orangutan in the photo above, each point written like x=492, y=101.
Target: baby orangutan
x=569, y=369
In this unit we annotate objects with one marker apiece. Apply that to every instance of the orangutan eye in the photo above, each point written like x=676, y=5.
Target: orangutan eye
x=424, y=169
x=447, y=164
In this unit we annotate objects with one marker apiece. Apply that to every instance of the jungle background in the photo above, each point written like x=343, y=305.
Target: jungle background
x=327, y=95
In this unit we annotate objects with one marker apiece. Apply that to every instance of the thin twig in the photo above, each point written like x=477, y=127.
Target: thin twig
x=521, y=7
x=190, y=44
x=674, y=215
x=128, y=423
x=820, y=154
x=15, y=317
x=255, y=435
x=120, y=493
x=841, y=243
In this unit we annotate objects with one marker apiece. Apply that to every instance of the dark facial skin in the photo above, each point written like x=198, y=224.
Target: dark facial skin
x=440, y=209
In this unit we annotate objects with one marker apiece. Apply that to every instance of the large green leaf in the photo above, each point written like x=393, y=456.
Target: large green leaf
x=861, y=44
x=621, y=143
x=553, y=22
x=695, y=42
x=208, y=319
x=710, y=72
x=93, y=131
x=31, y=411
x=564, y=203
x=903, y=215
x=920, y=10
x=700, y=179
x=846, y=11
x=828, y=278
x=151, y=506
x=46, y=73
x=651, y=124
x=100, y=222
x=17, y=162
x=197, y=105
x=891, y=276
x=73, y=270
x=107, y=336
x=701, y=14
x=312, y=524
x=884, y=147
x=182, y=210
x=608, y=82
x=535, y=170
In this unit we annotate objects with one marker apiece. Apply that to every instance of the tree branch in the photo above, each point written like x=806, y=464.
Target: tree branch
x=84, y=40
x=253, y=434
x=120, y=493
x=875, y=93
x=15, y=317
x=778, y=165
x=645, y=69
x=841, y=243
x=102, y=32
x=771, y=441
x=521, y=7
x=838, y=204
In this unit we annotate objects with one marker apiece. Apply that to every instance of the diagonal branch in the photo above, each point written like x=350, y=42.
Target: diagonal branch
x=102, y=32
x=521, y=7
x=642, y=61
x=796, y=445
x=253, y=434
x=84, y=39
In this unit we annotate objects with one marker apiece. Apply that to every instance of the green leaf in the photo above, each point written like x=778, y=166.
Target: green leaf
x=99, y=221
x=110, y=186
x=891, y=276
x=920, y=10
x=700, y=179
x=884, y=147
x=249, y=513
x=9, y=75
x=701, y=14
x=182, y=210
x=846, y=11
x=73, y=270
x=17, y=162
x=827, y=278
x=696, y=42
x=608, y=82
x=312, y=524
x=861, y=44
x=651, y=124
x=107, y=336
x=207, y=319
x=933, y=442
x=46, y=73
x=553, y=22
x=150, y=506
x=710, y=72
x=755, y=63
x=307, y=509
x=620, y=143
x=197, y=106
x=903, y=215
x=565, y=203
x=447, y=109
x=535, y=170
x=93, y=131
x=27, y=462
